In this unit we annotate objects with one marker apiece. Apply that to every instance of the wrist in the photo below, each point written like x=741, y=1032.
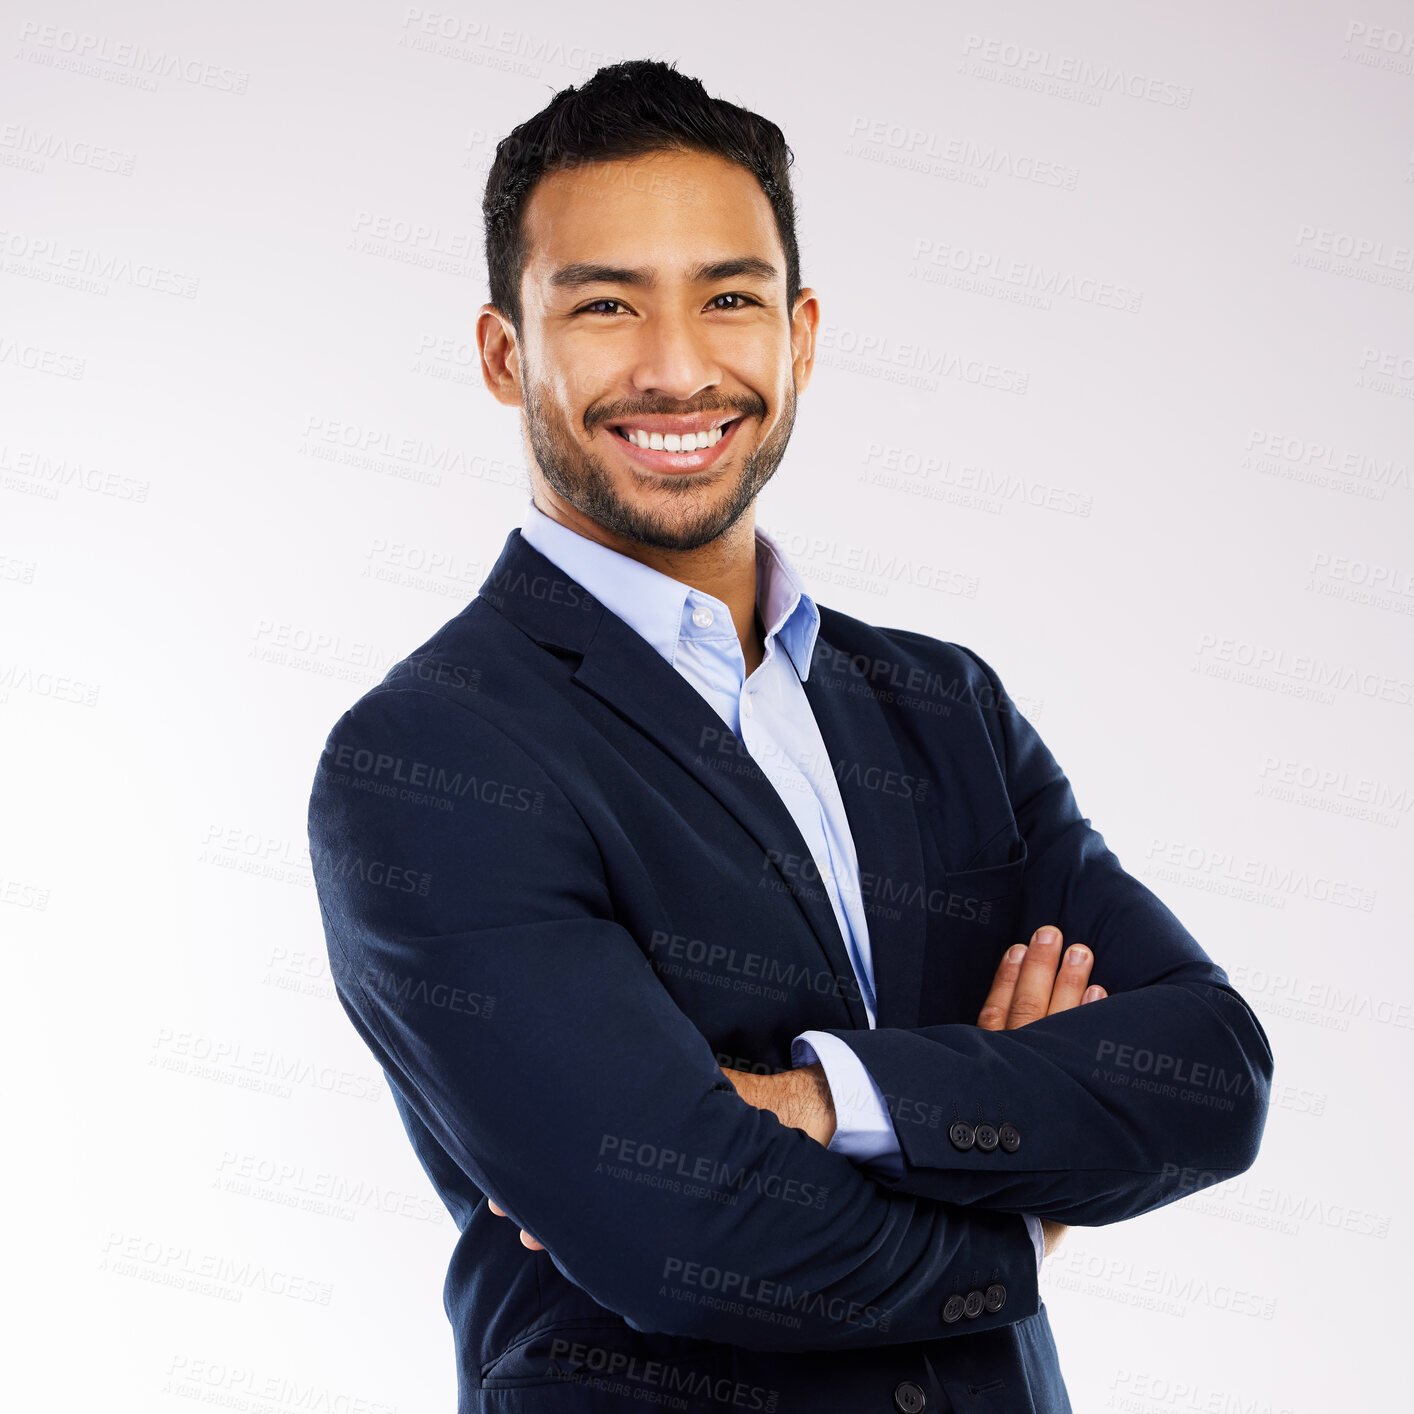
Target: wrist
x=814, y=1105
x=799, y=1098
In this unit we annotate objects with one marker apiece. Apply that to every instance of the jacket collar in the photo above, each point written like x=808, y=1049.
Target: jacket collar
x=620, y=668
x=652, y=603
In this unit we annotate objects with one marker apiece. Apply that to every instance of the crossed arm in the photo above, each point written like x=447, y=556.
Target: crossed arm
x=1030, y=982
x=584, y=1030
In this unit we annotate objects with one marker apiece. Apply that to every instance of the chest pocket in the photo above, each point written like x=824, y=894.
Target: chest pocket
x=973, y=926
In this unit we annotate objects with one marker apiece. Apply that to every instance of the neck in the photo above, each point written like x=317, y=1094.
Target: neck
x=725, y=568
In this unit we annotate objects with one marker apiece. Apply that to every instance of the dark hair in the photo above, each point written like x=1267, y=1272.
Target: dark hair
x=627, y=110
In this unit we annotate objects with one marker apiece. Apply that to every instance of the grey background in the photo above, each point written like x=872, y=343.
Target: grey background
x=1116, y=387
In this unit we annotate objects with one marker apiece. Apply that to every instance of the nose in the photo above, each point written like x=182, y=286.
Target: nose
x=674, y=358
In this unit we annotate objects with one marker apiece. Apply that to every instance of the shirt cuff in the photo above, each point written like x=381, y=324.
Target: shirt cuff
x=863, y=1130
x=1038, y=1237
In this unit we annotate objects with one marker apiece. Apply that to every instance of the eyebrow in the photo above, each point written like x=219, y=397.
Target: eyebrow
x=588, y=272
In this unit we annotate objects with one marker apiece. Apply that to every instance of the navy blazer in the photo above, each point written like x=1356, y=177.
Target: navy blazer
x=559, y=895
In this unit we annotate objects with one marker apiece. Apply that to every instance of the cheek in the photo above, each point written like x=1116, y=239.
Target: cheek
x=567, y=373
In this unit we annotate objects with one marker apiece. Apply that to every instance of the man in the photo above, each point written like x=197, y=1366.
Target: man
x=711, y=940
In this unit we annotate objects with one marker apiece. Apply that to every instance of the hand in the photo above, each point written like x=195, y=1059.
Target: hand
x=799, y=1098
x=1051, y=1234
x=1032, y=982
x=1027, y=988
x=525, y=1238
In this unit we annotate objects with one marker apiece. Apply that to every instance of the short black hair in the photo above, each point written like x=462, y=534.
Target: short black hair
x=627, y=110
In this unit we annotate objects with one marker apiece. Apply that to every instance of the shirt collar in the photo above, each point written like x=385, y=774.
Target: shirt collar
x=659, y=608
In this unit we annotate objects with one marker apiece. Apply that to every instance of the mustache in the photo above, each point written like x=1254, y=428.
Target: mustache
x=622, y=411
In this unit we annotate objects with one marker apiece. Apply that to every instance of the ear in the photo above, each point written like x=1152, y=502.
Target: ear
x=500, y=355
x=804, y=321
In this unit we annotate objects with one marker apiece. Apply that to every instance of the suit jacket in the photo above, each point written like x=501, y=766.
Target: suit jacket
x=559, y=895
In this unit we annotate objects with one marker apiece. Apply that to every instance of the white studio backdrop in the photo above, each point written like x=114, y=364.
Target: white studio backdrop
x=1115, y=386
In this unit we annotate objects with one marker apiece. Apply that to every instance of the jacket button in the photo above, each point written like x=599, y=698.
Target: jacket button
x=986, y=1138
x=995, y=1296
x=974, y=1305
x=952, y=1309
x=1010, y=1138
x=961, y=1134
x=909, y=1398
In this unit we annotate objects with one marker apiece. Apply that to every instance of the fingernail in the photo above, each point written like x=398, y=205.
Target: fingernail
x=1092, y=994
x=1076, y=956
x=1016, y=952
x=1046, y=935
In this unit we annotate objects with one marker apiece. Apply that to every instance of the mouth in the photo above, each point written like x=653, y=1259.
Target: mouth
x=679, y=444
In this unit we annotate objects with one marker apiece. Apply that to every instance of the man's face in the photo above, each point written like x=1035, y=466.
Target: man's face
x=654, y=308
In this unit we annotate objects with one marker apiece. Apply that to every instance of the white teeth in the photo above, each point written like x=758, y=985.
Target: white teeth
x=673, y=441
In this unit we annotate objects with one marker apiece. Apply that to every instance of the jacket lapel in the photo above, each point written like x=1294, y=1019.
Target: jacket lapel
x=623, y=671
x=879, y=798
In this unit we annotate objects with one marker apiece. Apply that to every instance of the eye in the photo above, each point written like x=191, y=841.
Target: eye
x=593, y=307
x=746, y=301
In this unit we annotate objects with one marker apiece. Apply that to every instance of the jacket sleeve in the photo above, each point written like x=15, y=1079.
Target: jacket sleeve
x=1104, y=1111
x=474, y=947
x=864, y=1128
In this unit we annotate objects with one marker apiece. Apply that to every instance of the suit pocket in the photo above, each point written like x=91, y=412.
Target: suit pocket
x=967, y=937
x=989, y=898
x=990, y=1397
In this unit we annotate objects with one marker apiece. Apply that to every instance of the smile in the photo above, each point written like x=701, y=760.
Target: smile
x=670, y=441
x=682, y=450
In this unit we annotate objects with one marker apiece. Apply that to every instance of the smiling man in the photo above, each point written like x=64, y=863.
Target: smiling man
x=728, y=1008
x=659, y=396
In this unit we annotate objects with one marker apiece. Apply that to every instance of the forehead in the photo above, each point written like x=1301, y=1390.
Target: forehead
x=668, y=210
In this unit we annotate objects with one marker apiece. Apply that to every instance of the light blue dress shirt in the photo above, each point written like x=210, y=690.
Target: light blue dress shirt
x=770, y=713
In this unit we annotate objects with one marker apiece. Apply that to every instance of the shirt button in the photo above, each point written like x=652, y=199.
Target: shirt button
x=702, y=617
x=746, y=707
